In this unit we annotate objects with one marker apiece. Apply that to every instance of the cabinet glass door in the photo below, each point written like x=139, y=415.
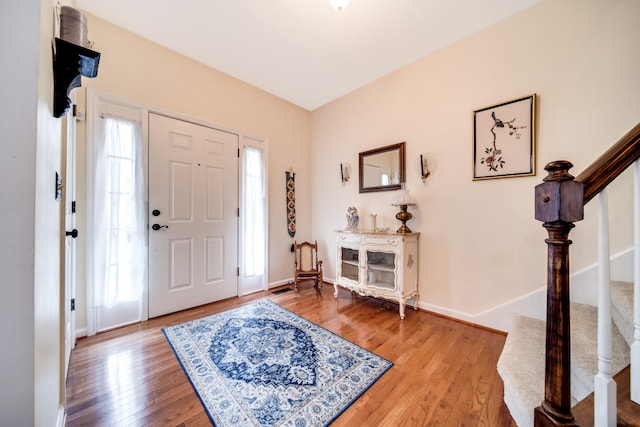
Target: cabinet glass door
x=381, y=269
x=349, y=260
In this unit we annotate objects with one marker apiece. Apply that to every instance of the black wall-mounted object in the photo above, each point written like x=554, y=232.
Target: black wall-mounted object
x=70, y=63
x=59, y=187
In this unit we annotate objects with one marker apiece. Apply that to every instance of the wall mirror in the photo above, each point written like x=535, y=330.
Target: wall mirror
x=382, y=169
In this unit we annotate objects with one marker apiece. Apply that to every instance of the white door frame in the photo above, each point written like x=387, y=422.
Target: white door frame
x=246, y=284
x=68, y=246
x=92, y=125
x=118, y=107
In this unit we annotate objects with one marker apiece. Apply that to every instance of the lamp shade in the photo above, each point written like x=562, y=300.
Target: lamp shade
x=339, y=5
x=403, y=198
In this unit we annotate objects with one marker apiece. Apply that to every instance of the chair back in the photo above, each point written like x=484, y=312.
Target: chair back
x=306, y=256
x=306, y=263
x=305, y=253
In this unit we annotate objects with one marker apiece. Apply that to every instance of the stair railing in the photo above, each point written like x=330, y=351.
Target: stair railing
x=559, y=202
x=605, y=388
x=635, y=346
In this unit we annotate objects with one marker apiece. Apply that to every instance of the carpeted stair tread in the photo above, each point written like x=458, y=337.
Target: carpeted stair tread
x=584, y=349
x=622, y=308
x=521, y=364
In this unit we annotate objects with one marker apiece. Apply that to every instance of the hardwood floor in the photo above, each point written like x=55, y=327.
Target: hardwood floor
x=444, y=372
x=628, y=412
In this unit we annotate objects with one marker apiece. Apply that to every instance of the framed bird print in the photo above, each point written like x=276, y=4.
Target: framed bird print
x=504, y=139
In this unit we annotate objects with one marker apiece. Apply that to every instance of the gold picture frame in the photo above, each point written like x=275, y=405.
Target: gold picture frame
x=504, y=139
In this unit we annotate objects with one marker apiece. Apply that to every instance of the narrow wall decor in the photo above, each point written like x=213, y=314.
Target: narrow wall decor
x=291, y=201
x=504, y=139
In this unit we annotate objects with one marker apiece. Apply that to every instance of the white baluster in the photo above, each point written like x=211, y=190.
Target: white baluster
x=635, y=347
x=604, y=385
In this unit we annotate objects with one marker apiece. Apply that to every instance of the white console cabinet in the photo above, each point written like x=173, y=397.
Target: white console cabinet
x=381, y=265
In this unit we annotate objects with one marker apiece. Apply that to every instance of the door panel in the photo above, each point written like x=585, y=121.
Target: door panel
x=215, y=194
x=193, y=182
x=181, y=264
x=181, y=186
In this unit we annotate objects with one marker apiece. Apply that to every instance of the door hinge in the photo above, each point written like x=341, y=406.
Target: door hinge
x=238, y=212
x=238, y=153
x=74, y=110
x=73, y=304
x=73, y=207
x=238, y=271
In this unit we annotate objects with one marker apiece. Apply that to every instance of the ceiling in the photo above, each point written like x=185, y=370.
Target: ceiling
x=302, y=50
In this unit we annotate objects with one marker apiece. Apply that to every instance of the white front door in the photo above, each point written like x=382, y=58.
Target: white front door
x=193, y=215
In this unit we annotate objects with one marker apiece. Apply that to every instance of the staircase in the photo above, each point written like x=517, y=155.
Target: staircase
x=521, y=364
x=543, y=366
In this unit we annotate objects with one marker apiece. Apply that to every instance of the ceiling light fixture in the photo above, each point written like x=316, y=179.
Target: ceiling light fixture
x=339, y=5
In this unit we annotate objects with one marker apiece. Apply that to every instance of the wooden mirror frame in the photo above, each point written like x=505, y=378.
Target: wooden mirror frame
x=400, y=167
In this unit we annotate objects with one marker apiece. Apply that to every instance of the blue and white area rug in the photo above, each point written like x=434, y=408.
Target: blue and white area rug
x=262, y=365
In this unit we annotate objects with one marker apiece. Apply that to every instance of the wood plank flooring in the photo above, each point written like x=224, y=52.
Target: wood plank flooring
x=444, y=372
x=627, y=410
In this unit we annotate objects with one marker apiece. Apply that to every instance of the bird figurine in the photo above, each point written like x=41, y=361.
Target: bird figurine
x=497, y=120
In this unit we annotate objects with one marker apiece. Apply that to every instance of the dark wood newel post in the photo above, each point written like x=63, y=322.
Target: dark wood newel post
x=559, y=203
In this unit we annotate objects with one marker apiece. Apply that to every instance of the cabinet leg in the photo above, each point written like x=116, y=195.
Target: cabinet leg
x=402, y=304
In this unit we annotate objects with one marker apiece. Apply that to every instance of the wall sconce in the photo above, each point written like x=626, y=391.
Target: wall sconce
x=339, y=5
x=344, y=172
x=424, y=168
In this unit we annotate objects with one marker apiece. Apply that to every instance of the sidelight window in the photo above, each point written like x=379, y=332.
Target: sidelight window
x=119, y=220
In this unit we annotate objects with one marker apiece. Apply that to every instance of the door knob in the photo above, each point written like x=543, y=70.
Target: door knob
x=73, y=233
x=157, y=227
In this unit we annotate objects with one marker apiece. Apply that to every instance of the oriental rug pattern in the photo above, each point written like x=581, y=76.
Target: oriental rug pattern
x=262, y=365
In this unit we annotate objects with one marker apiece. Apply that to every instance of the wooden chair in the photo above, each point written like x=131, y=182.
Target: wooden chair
x=306, y=263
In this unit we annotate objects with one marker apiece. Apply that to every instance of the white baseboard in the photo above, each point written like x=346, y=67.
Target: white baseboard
x=533, y=304
x=272, y=285
x=62, y=417
x=499, y=318
x=583, y=290
x=290, y=281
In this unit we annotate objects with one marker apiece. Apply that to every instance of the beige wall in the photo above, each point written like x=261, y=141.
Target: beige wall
x=136, y=69
x=30, y=364
x=480, y=245
x=17, y=182
x=49, y=341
